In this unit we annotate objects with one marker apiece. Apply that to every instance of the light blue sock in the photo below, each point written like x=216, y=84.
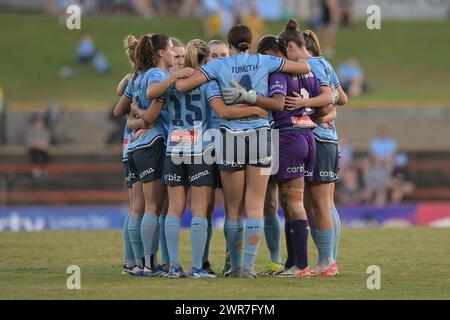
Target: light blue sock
x=325, y=245
x=208, y=241
x=148, y=229
x=314, y=235
x=128, y=249
x=134, y=230
x=337, y=231
x=253, y=233
x=273, y=236
x=199, y=235
x=173, y=239
x=235, y=236
x=162, y=240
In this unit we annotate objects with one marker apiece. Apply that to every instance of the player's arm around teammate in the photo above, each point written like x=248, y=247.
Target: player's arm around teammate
x=242, y=180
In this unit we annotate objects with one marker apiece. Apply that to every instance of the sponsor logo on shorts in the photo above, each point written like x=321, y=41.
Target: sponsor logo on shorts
x=330, y=174
x=295, y=169
x=232, y=163
x=199, y=175
x=308, y=173
x=172, y=177
x=146, y=173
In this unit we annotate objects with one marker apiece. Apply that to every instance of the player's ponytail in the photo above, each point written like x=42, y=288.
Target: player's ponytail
x=129, y=44
x=272, y=43
x=196, y=53
x=291, y=33
x=240, y=37
x=312, y=43
x=144, y=54
x=147, y=51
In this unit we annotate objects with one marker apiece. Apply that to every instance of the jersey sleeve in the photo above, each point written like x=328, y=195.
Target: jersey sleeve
x=211, y=70
x=163, y=98
x=273, y=64
x=277, y=84
x=129, y=89
x=155, y=75
x=319, y=72
x=212, y=90
x=335, y=79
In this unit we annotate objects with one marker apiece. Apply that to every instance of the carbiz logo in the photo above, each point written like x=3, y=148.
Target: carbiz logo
x=295, y=169
x=330, y=174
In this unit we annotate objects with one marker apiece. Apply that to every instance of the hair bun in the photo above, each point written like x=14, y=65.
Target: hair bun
x=291, y=25
x=243, y=46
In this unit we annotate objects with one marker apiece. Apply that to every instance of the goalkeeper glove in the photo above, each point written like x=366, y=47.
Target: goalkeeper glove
x=238, y=94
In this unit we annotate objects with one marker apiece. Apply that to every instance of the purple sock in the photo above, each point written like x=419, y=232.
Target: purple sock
x=299, y=242
x=290, y=261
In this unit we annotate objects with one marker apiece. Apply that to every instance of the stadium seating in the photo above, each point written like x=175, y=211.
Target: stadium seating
x=94, y=175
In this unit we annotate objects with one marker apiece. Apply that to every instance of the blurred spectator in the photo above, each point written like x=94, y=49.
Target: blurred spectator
x=113, y=6
x=347, y=10
x=37, y=142
x=383, y=147
x=326, y=21
x=349, y=190
x=376, y=176
x=86, y=49
x=401, y=183
x=346, y=154
x=187, y=7
x=220, y=17
x=351, y=76
x=101, y=64
x=87, y=53
x=51, y=118
x=144, y=8
x=251, y=19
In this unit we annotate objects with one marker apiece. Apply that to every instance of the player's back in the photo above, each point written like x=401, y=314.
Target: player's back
x=252, y=72
x=137, y=90
x=190, y=116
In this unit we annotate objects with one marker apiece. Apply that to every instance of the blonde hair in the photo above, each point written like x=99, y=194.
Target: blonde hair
x=129, y=44
x=177, y=43
x=312, y=43
x=196, y=52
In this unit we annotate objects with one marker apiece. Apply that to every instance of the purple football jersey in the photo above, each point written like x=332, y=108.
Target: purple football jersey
x=285, y=84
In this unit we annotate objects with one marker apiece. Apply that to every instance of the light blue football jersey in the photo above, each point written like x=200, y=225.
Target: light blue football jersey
x=190, y=117
x=252, y=72
x=137, y=90
x=326, y=75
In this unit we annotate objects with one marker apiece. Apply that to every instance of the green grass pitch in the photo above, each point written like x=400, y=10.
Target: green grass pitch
x=414, y=264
